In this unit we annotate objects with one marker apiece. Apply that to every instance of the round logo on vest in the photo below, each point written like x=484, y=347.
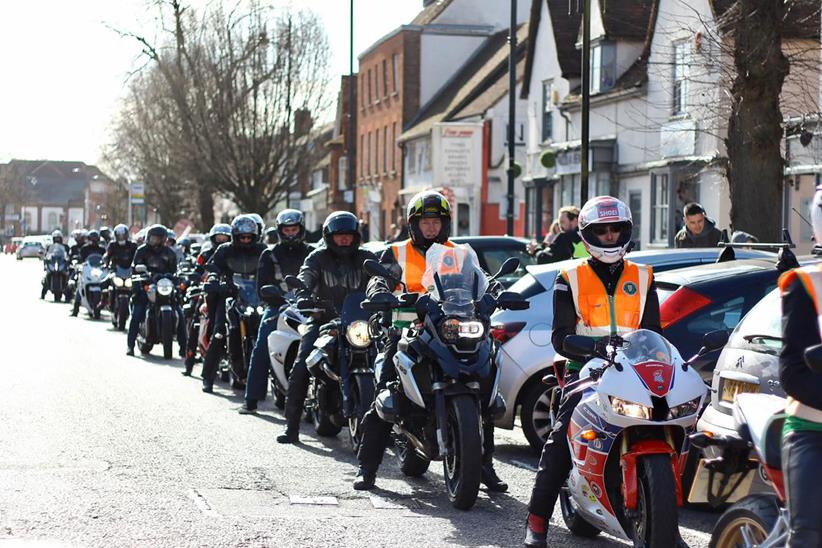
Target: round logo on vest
x=629, y=288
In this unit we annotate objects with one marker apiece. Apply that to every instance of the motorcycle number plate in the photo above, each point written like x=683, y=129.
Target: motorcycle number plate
x=701, y=485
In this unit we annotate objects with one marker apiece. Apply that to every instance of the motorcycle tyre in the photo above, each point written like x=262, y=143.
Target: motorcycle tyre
x=323, y=425
x=167, y=333
x=465, y=441
x=657, y=501
x=363, y=395
x=759, y=511
x=412, y=464
x=575, y=523
x=56, y=288
x=122, y=316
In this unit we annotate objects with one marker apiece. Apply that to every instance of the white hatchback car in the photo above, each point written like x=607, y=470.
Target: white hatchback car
x=526, y=353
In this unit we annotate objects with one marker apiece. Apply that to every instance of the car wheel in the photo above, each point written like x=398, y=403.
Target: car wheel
x=535, y=414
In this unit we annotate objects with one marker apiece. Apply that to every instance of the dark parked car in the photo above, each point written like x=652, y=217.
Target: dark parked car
x=491, y=251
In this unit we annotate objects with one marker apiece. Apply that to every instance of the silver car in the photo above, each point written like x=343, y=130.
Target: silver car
x=526, y=353
x=30, y=248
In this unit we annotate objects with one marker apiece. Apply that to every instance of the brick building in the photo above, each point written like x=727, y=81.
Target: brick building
x=340, y=195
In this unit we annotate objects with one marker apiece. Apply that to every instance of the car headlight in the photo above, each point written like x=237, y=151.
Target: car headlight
x=165, y=287
x=358, y=335
x=117, y=281
x=127, y=283
x=630, y=409
x=685, y=409
x=454, y=329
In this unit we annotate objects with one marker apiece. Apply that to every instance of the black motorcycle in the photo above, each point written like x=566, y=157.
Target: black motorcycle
x=160, y=323
x=445, y=362
x=117, y=294
x=57, y=274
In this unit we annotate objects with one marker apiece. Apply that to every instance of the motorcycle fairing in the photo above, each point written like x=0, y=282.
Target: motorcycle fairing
x=242, y=263
x=657, y=377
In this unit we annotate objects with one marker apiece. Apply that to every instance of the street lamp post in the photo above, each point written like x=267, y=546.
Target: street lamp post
x=512, y=84
x=586, y=101
x=352, y=135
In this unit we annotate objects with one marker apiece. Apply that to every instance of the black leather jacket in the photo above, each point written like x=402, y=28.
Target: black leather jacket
x=161, y=260
x=230, y=259
x=280, y=261
x=799, y=332
x=120, y=255
x=90, y=249
x=331, y=277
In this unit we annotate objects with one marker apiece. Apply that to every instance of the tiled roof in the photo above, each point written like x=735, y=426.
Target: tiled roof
x=566, y=24
x=480, y=104
x=479, y=73
x=430, y=13
x=626, y=20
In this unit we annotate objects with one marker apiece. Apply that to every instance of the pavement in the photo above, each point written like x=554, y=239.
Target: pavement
x=99, y=449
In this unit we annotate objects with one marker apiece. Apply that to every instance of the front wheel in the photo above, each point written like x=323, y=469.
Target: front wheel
x=573, y=521
x=122, y=314
x=323, y=425
x=362, y=396
x=412, y=464
x=167, y=333
x=463, y=465
x=748, y=522
x=656, y=522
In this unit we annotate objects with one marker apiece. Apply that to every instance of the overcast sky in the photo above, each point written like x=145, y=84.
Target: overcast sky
x=64, y=69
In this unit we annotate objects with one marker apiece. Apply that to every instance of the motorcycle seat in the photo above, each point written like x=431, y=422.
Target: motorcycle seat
x=759, y=418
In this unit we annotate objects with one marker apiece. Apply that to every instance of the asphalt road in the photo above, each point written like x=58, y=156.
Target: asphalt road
x=99, y=449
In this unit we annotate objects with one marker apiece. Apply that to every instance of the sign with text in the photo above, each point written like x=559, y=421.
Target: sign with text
x=457, y=154
x=138, y=193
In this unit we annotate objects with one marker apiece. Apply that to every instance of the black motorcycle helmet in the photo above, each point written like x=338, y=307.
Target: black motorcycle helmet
x=93, y=237
x=271, y=236
x=244, y=231
x=341, y=222
x=121, y=234
x=428, y=204
x=290, y=217
x=105, y=233
x=156, y=236
x=185, y=244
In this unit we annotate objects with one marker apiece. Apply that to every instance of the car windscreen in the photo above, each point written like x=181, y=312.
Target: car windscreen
x=762, y=326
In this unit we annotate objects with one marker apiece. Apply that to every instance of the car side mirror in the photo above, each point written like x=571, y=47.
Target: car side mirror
x=813, y=357
x=579, y=345
x=713, y=341
x=510, y=266
x=509, y=300
x=380, y=302
x=294, y=282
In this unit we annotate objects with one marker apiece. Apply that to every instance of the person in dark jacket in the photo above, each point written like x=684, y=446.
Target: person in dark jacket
x=120, y=251
x=79, y=241
x=158, y=259
x=239, y=256
x=699, y=230
x=56, y=246
x=92, y=247
x=606, y=228
x=283, y=259
x=329, y=274
x=567, y=244
x=802, y=433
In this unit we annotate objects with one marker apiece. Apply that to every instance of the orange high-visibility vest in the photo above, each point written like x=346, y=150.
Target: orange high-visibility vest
x=600, y=314
x=412, y=262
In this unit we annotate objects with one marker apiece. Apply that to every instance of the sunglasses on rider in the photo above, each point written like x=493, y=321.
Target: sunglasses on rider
x=602, y=230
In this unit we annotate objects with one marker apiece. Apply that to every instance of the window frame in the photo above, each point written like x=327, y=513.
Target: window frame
x=680, y=77
x=660, y=207
x=395, y=62
x=547, y=110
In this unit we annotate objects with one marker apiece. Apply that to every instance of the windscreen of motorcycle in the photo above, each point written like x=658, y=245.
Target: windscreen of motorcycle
x=247, y=288
x=644, y=345
x=454, y=278
x=56, y=251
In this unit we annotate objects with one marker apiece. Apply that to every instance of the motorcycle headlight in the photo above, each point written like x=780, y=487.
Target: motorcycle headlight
x=127, y=283
x=96, y=272
x=249, y=310
x=358, y=335
x=630, y=409
x=685, y=409
x=165, y=287
x=117, y=281
x=454, y=329
x=302, y=329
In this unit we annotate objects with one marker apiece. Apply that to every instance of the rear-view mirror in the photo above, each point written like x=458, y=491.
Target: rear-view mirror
x=374, y=268
x=509, y=300
x=579, y=345
x=272, y=294
x=508, y=267
x=293, y=282
x=713, y=341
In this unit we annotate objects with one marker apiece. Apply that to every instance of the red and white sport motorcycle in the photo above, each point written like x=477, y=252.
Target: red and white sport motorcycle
x=628, y=436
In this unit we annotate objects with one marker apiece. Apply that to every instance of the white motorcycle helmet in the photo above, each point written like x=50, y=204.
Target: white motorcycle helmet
x=595, y=215
x=816, y=216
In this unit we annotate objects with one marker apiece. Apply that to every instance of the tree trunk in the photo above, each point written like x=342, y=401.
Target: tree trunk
x=755, y=164
x=205, y=206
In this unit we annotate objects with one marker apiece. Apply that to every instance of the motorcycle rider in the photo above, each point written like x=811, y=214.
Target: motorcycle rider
x=277, y=262
x=581, y=306
x=218, y=235
x=329, y=273
x=120, y=251
x=245, y=247
x=79, y=241
x=92, y=247
x=56, y=241
x=802, y=433
x=429, y=219
x=105, y=235
x=158, y=259
x=271, y=237
x=171, y=243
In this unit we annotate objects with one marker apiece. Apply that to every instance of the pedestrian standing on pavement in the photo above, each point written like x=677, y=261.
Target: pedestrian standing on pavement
x=699, y=230
x=802, y=433
x=283, y=259
x=329, y=273
x=567, y=244
x=590, y=299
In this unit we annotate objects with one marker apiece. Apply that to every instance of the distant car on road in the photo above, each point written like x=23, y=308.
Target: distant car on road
x=491, y=252
x=32, y=246
x=526, y=353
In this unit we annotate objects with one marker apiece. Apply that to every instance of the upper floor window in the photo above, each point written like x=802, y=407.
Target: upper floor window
x=385, y=78
x=377, y=83
x=395, y=68
x=547, y=110
x=603, y=67
x=369, y=86
x=682, y=59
